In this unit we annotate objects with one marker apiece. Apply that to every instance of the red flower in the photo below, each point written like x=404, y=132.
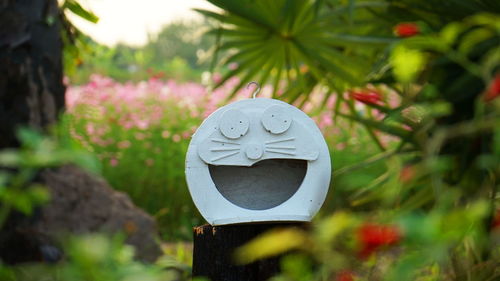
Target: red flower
x=367, y=96
x=496, y=221
x=406, y=29
x=407, y=173
x=345, y=275
x=373, y=237
x=158, y=75
x=493, y=89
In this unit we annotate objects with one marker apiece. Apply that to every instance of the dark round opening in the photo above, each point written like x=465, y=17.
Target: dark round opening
x=264, y=185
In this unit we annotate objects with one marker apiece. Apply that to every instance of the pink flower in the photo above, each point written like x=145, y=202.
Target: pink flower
x=176, y=138
x=113, y=162
x=341, y=146
x=325, y=121
x=66, y=81
x=233, y=66
x=165, y=134
x=90, y=128
x=407, y=127
x=142, y=124
x=149, y=162
x=124, y=144
x=217, y=77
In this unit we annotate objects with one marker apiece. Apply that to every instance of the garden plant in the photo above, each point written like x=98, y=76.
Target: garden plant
x=431, y=212
x=406, y=93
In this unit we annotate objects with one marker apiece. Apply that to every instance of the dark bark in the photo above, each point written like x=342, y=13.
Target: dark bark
x=214, y=247
x=32, y=95
x=31, y=73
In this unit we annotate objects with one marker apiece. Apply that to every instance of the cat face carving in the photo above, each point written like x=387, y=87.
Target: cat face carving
x=253, y=157
x=243, y=137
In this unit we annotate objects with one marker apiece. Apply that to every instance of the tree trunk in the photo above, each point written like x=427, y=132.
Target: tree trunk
x=32, y=95
x=31, y=80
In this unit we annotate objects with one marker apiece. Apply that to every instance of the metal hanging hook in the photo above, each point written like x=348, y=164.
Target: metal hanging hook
x=256, y=90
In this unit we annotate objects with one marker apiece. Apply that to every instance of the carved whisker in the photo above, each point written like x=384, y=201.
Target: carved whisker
x=224, y=148
x=281, y=147
x=224, y=156
x=224, y=141
x=280, y=152
x=281, y=140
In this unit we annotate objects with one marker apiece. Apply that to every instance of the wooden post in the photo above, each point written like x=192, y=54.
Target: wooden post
x=214, y=246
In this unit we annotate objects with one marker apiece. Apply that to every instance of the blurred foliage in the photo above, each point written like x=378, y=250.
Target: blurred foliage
x=184, y=40
x=20, y=192
x=416, y=246
x=78, y=10
x=416, y=157
x=429, y=196
x=91, y=257
x=96, y=257
x=19, y=168
x=140, y=133
x=303, y=42
x=179, y=52
x=440, y=82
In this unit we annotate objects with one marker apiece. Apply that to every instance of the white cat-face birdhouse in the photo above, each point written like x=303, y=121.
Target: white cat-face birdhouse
x=258, y=160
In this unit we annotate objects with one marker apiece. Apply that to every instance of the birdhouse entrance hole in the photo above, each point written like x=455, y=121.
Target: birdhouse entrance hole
x=264, y=185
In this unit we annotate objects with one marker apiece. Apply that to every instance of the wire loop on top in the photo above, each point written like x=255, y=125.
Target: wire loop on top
x=256, y=90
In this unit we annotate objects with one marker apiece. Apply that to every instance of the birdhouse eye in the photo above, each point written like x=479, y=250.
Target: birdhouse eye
x=276, y=120
x=234, y=124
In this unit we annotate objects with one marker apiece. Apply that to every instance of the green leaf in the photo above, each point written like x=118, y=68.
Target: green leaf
x=29, y=137
x=430, y=43
x=252, y=72
x=249, y=10
x=78, y=10
x=473, y=38
x=297, y=267
x=85, y=160
x=487, y=19
x=450, y=32
x=25, y=200
x=38, y=194
x=407, y=63
x=313, y=57
x=269, y=244
x=291, y=34
x=331, y=227
x=211, y=14
x=10, y=158
x=356, y=40
x=392, y=130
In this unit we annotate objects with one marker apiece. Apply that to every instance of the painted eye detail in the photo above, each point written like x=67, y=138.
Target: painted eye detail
x=276, y=120
x=234, y=124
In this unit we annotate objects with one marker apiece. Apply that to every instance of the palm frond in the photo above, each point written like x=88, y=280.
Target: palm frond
x=274, y=40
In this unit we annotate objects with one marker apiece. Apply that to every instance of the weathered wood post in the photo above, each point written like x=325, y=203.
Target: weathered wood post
x=214, y=247
x=253, y=165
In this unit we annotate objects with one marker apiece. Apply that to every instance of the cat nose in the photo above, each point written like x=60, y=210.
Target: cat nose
x=254, y=151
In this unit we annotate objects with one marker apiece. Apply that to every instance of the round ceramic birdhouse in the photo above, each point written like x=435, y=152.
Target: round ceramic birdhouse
x=258, y=160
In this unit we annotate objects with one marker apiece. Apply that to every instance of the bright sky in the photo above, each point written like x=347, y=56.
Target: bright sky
x=130, y=21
